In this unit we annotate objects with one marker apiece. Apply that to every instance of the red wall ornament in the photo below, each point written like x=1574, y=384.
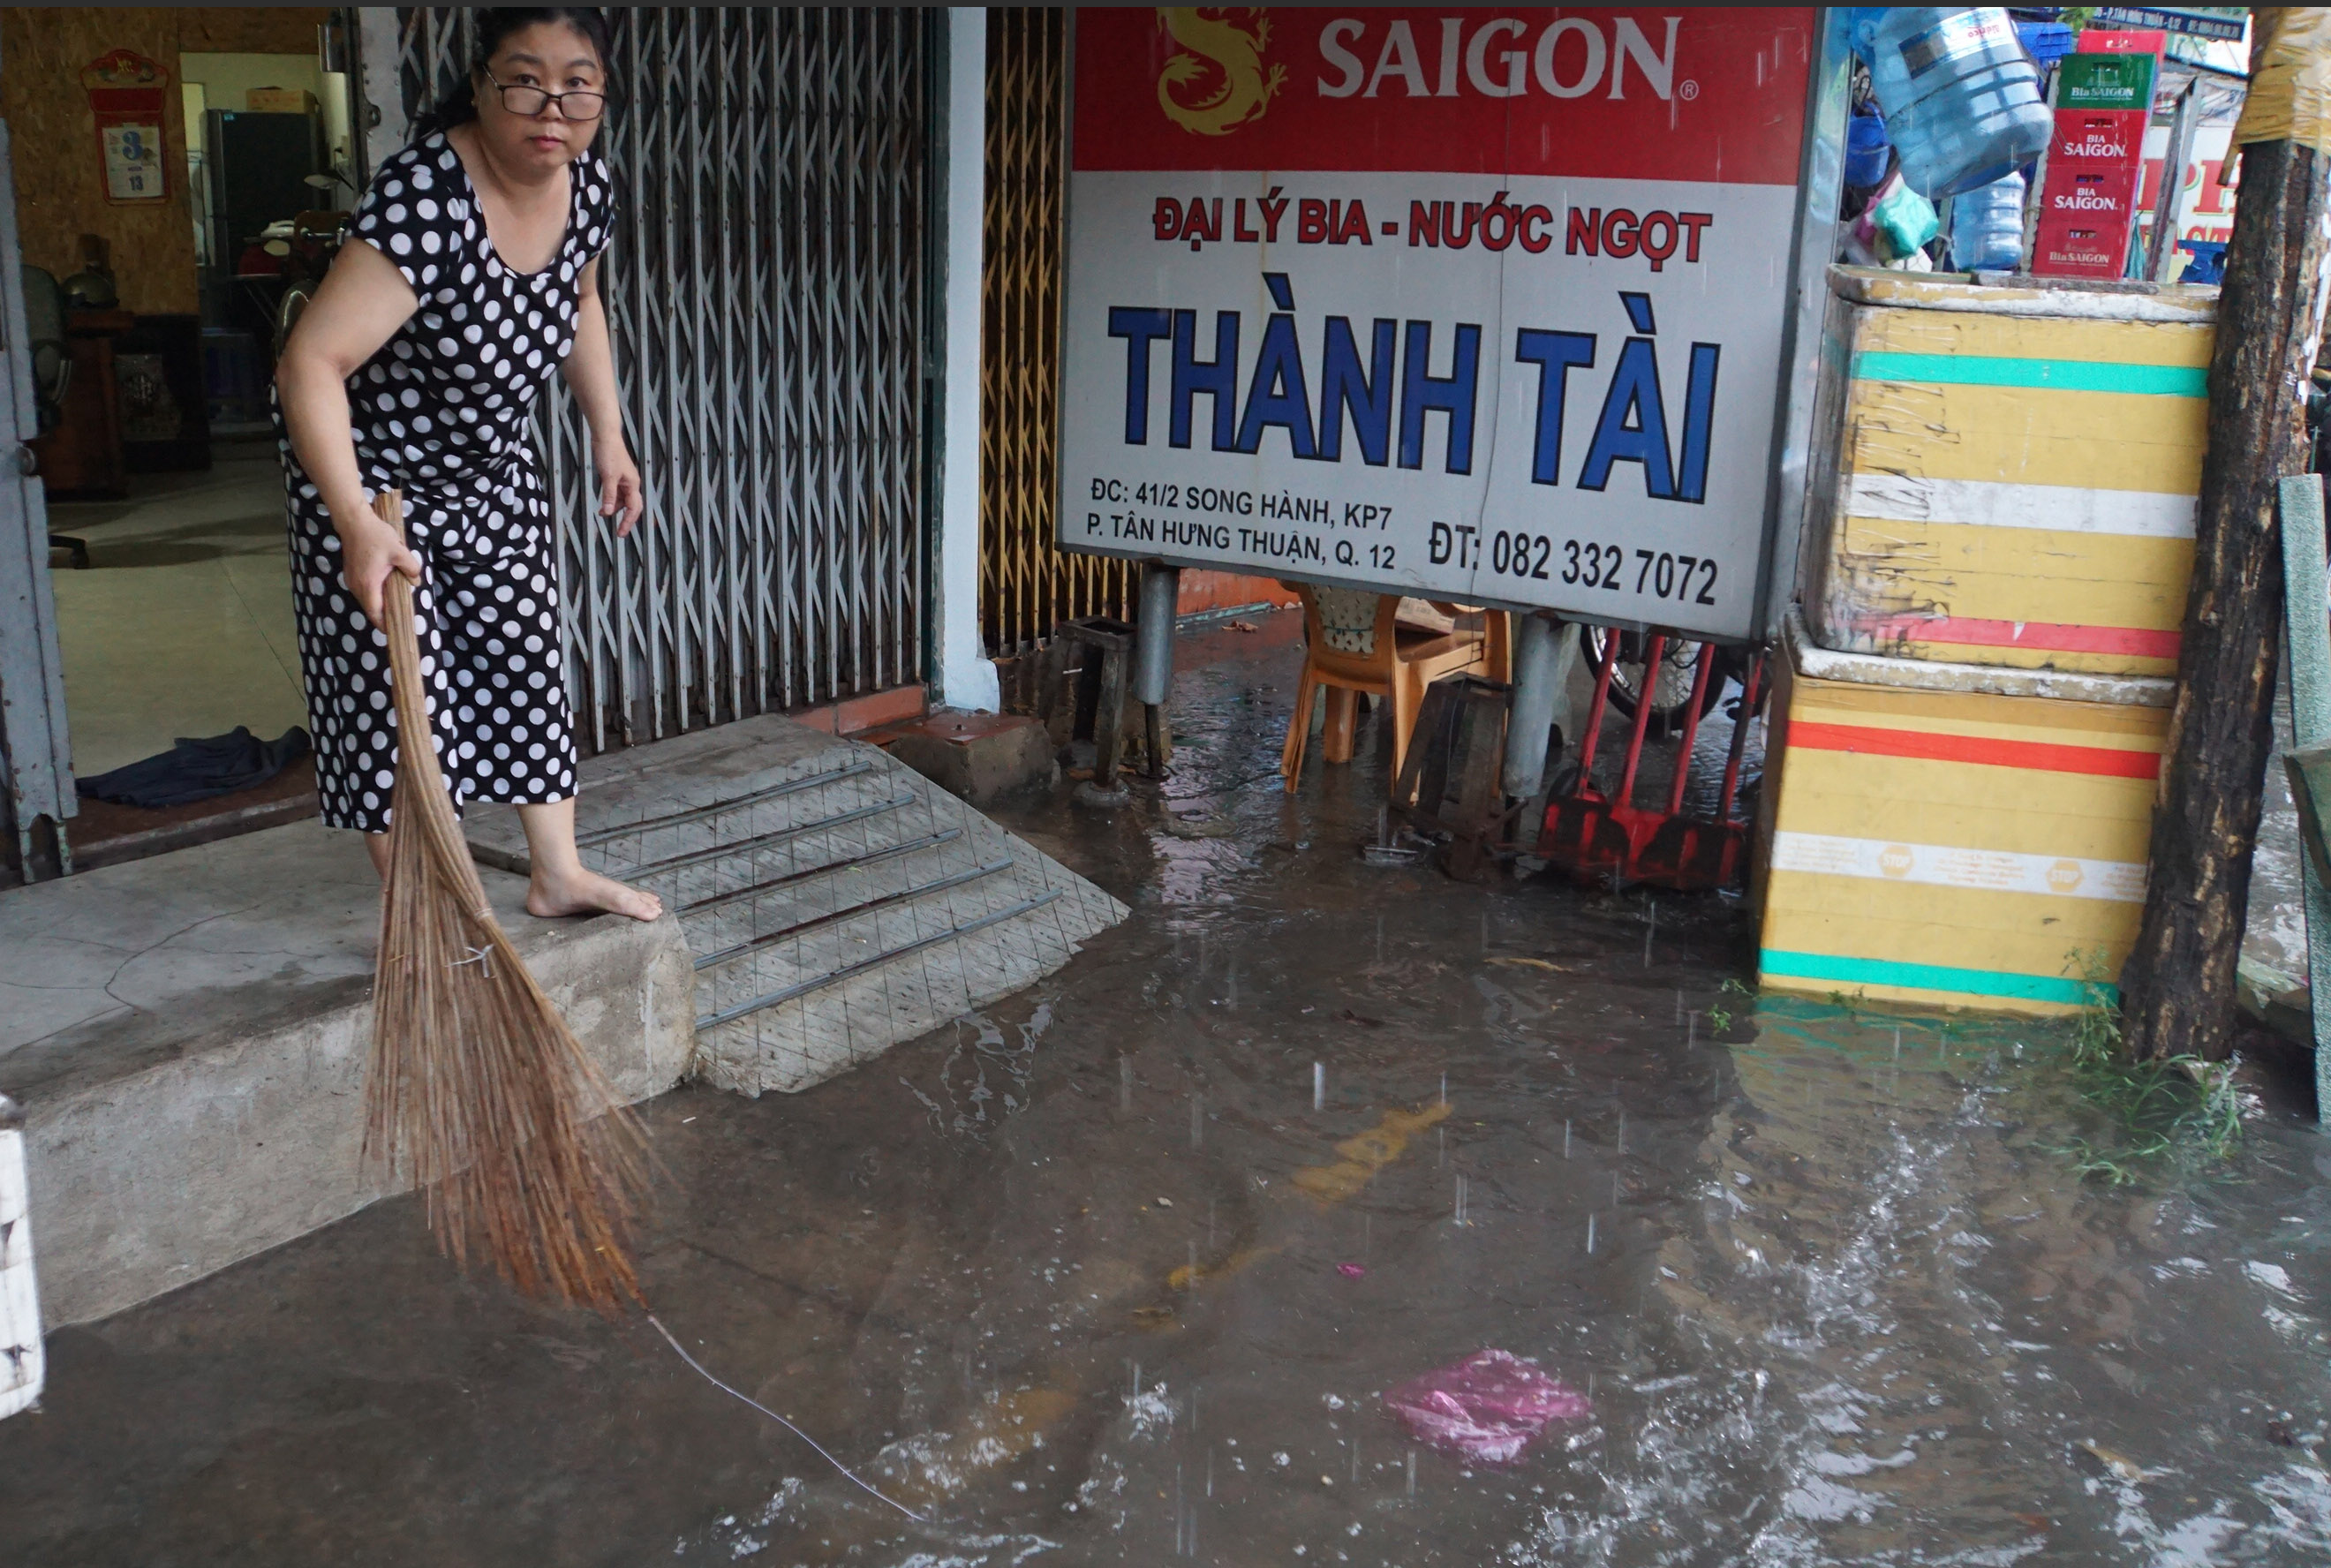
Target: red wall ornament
x=126, y=98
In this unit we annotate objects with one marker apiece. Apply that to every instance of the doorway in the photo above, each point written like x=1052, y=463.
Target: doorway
x=154, y=309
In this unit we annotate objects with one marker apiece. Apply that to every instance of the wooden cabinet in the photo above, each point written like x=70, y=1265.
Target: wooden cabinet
x=82, y=459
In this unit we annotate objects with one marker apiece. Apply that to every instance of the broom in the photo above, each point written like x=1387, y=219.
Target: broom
x=476, y=1086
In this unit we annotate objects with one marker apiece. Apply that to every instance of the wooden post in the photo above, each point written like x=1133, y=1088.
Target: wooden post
x=2177, y=987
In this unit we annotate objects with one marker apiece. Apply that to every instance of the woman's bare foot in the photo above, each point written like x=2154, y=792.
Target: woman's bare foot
x=582, y=892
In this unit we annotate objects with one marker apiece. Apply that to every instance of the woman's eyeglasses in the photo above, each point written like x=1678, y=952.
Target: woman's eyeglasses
x=528, y=101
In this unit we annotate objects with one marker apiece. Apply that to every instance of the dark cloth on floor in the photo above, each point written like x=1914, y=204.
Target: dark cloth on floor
x=196, y=769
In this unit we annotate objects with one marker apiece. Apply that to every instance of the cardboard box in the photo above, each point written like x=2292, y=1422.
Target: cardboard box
x=1951, y=835
x=280, y=100
x=2006, y=476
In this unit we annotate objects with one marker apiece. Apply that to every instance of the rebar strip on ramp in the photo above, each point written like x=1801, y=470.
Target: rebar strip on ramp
x=730, y=1014
x=927, y=842
x=697, y=813
x=747, y=846
x=864, y=906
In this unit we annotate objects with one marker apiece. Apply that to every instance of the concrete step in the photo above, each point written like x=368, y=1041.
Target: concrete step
x=187, y=1033
x=188, y=1037
x=836, y=902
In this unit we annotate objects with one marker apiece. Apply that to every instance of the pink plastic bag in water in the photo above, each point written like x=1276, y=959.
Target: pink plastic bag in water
x=1487, y=1406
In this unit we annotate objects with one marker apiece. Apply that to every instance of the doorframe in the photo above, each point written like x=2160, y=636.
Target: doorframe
x=36, y=782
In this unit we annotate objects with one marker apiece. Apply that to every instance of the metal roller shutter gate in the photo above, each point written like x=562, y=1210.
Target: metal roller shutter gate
x=769, y=290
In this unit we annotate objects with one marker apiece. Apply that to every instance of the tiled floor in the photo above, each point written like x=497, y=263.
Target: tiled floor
x=182, y=622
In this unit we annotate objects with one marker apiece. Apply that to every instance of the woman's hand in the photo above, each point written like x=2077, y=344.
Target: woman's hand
x=620, y=495
x=590, y=370
x=369, y=551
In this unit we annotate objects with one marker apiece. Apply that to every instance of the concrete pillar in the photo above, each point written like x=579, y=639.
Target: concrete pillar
x=965, y=678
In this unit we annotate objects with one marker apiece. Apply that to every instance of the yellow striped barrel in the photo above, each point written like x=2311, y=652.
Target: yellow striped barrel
x=1974, y=838
x=2005, y=486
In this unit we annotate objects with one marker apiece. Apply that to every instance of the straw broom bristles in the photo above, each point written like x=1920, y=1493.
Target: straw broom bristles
x=476, y=1084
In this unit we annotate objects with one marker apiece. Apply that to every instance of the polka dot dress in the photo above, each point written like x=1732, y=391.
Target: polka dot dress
x=442, y=413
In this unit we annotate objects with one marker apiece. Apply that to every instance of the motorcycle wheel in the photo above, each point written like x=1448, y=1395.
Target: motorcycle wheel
x=1672, y=691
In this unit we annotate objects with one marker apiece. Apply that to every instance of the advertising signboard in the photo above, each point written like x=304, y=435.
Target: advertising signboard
x=1485, y=305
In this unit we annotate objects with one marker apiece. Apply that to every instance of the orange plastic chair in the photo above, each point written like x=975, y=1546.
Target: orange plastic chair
x=1353, y=643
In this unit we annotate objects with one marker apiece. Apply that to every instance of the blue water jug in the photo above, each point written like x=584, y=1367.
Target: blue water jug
x=1987, y=226
x=1961, y=98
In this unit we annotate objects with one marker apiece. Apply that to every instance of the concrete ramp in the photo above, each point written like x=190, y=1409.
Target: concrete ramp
x=835, y=901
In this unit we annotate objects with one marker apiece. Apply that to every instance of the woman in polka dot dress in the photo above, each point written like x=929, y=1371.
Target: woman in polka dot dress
x=471, y=274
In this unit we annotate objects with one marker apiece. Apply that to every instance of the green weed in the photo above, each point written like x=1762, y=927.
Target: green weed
x=2168, y=1107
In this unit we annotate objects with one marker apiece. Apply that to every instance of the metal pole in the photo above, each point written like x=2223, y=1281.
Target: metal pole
x=2161, y=257
x=2307, y=606
x=1537, y=686
x=1153, y=648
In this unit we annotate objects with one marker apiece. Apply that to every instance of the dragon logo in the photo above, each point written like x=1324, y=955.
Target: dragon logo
x=1223, y=56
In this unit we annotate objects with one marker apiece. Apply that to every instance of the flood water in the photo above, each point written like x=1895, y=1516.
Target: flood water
x=1120, y=1272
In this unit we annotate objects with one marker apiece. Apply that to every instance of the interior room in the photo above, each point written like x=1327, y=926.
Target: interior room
x=180, y=175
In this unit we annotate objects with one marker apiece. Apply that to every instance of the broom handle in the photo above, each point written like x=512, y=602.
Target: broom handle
x=432, y=807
